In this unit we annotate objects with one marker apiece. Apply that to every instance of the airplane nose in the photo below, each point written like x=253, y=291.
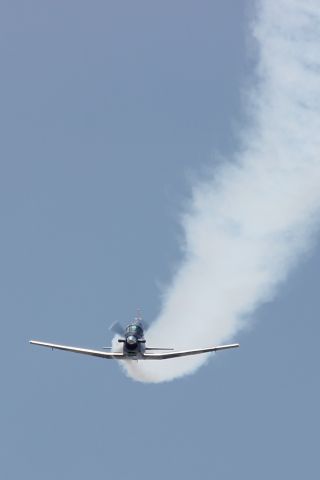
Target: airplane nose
x=131, y=340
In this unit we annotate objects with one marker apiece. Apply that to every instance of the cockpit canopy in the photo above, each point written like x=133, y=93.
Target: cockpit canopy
x=134, y=330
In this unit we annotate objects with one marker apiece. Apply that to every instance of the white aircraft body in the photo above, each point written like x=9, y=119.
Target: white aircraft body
x=134, y=346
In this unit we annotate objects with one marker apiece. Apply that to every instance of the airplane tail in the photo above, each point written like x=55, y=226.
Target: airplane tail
x=158, y=348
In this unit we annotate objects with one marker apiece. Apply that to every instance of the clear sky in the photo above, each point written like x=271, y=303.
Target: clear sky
x=107, y=112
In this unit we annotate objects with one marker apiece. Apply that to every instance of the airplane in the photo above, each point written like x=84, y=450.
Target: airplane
x=134, y=346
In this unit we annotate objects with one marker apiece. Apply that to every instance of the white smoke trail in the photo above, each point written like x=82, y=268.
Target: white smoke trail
x=252, y=219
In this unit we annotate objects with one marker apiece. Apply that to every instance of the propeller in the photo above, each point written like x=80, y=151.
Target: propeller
x=146, y=325
x=117, y=328
x=139, y=318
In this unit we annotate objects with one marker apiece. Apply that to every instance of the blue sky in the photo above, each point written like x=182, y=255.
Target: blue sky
x=108, y=109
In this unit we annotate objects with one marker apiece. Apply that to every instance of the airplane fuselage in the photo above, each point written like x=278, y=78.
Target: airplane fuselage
x=133, y=341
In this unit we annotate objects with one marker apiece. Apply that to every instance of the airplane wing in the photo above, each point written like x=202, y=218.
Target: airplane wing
x=184, y=353
x=84, y=351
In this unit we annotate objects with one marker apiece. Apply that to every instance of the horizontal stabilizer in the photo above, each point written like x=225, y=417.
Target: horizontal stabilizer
x=158, y=348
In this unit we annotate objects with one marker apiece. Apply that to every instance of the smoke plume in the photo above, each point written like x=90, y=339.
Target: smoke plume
x=257, y=213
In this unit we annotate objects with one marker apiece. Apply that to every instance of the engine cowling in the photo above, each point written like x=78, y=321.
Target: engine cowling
x=131, y=342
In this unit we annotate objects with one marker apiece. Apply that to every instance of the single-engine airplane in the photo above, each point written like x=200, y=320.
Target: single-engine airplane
x=134, y=346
